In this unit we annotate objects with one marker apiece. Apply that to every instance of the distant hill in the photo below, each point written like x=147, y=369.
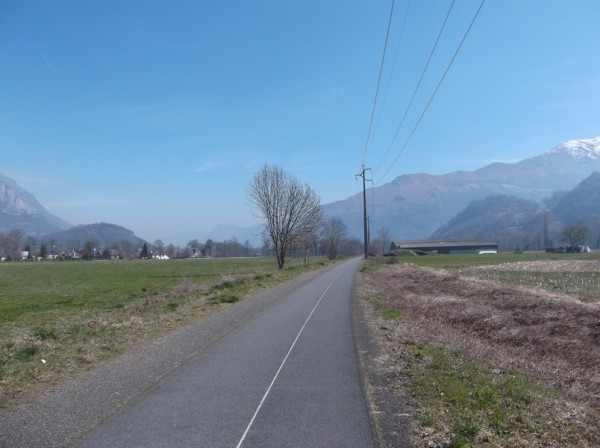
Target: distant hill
x=19, y=209
x=102, y=234
x=513, y=221
x=580, y=204
x=413, y=206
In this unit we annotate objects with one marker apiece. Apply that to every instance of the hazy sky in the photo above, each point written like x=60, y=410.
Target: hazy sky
x=155, y=115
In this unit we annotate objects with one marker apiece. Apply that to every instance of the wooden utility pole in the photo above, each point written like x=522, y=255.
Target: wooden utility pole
x=364, y=180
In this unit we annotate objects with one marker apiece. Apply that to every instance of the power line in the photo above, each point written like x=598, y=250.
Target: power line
x=390, y=77
x=387, y=35
x=416, y=89
x=434, y=92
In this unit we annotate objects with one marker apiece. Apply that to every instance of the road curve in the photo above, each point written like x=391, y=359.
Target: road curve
x=278, y=370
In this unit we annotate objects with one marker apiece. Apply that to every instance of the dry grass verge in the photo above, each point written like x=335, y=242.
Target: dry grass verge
x=489, y=363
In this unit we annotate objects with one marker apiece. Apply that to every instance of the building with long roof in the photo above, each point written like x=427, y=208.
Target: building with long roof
x=446, y=246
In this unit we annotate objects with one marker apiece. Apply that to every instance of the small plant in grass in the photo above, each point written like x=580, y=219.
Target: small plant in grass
x=172, y=306
x=45, y=333
x=428, y=421
x=26, y=353
x=228, y=298
x=465, y=432
x=458, y=441
x=225, y=285
x=392, y=314
x=3, y=365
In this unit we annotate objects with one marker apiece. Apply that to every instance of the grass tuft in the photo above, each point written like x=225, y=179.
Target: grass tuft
x=228, y=298
x=45, y=333
x=392, y=314
x=26, y=353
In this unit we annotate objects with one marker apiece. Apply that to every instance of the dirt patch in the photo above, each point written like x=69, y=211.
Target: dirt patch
x=552, y=338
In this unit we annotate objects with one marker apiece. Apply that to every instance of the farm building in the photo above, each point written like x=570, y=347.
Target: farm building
x=446, y=247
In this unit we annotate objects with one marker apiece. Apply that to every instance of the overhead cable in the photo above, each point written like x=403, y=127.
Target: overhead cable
x=416, y=89
x=434, y=92
x=400, y=39
x=387, y=34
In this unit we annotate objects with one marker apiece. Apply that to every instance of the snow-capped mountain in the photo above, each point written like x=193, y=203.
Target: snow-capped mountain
x=580, y=149
x=413, y=206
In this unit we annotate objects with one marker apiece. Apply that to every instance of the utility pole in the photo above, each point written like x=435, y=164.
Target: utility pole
x=364, y=180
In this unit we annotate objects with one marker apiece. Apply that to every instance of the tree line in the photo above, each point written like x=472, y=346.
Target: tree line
x=15, y=247
x=294, y=225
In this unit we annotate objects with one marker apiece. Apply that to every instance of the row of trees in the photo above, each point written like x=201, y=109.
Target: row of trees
x=13, y=246
x=294, y=223
x=196, y=249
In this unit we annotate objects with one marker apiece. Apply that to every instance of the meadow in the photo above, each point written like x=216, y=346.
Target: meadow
x=59, y=318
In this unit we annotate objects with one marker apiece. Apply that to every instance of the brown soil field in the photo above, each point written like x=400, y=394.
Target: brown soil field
x=552, y=338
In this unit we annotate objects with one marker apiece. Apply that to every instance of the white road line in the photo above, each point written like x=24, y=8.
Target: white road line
x=283, y=363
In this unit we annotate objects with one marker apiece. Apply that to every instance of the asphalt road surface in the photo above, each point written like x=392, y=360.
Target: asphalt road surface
x=279, y=370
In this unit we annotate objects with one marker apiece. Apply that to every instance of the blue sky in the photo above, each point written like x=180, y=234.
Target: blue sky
x=155, y=115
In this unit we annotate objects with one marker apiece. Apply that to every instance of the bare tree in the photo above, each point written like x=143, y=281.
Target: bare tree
x=574, y=235
x=247, y=248
x=375, y=247
x=159, y=246
x=209, y=246
x=194, y=247
x=384, y=235
x=171, y=251
x=334, y=233
x=290, y=209
x=352, y=246
x=127, y=250
x=12, y=243
x=308, y=244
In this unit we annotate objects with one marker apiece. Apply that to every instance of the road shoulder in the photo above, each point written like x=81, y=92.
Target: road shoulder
x=389, y=410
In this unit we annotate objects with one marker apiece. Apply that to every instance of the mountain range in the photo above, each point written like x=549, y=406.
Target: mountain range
x=515, y=222
x=412, y=206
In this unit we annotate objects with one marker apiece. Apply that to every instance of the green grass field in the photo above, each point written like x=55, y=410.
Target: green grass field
x=34, y=293
x=57, y=318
